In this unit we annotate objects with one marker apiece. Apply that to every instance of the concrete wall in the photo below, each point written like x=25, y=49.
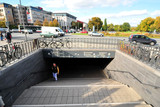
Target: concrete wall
x=21, y=75
x=141, y=77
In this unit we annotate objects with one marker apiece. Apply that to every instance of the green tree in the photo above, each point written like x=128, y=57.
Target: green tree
x=126, y=26
x=105, y=25
x=146, y=24
x=2, y=23
x=51, y=23
x=110, y=27
x=79, y=25
x=37, y=22
x=157, y=24
x=13, y=26
x=45, y=22
x=95, y=21
x=55, y=23
x=117, y=28
x=74, y=24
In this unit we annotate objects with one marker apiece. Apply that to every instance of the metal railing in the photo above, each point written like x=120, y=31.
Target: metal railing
x=145, y=53
x=149, y=55
x=7, y=54
x=82, y=43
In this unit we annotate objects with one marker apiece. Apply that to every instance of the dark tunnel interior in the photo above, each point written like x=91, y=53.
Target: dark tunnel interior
x=80, y=67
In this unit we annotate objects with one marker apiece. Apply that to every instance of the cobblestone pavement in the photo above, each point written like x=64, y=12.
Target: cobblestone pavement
x=78, y=92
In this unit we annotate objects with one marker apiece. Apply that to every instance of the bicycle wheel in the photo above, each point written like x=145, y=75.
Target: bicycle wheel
x=58, y=44
x=139, y=54
x=18, y=52
x=146, y=56
x=42, y=44
x=3, y=59
x=157, y=63
x=69, y=44
x=52, y=45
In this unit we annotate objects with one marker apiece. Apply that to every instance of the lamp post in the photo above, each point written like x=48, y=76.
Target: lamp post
x=7, y=22
x=22, y=20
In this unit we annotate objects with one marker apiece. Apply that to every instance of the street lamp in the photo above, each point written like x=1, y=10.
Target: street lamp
x=22, y=20
x=7, y=22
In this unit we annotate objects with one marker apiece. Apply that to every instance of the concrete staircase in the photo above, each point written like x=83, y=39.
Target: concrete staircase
x=80, y=92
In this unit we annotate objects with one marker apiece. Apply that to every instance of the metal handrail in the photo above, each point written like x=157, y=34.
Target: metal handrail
x=144, y=53
x=156, y=87
x=86, y=43
x=27, y=47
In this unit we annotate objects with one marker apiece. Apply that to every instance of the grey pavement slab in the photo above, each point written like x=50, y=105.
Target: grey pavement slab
x=80, y=93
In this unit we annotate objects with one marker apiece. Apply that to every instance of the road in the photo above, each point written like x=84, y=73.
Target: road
x=18, y=37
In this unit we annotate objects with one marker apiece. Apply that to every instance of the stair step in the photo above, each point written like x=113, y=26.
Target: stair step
x=80, y=93
x=127, y=104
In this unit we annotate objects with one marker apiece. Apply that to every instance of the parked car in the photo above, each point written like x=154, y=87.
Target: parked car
x=72, y=31
x=94, y=33
x=142, y=39
x=14, y=30
x=29, y=31
x=83, y=31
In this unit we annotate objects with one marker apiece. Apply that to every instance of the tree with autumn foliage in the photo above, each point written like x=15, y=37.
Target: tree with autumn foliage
x=95, y=21
x=157, y=24
x=37, y=22
x=45, y=22
x=2, y=23
x=51, y=24
x=145, y=24
x=55, y=23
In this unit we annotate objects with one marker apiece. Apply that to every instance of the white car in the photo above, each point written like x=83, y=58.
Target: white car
x=72, y=31
x=94, y=33
x=14, y=30
x=29, y=31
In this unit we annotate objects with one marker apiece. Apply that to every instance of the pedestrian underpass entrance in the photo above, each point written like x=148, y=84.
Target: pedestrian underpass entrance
x=82, y=81
x=80, y=67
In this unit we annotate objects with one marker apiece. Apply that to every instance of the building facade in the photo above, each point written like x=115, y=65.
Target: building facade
x=19, y=14
x=37, y=13
x=27, y=15
x=6, y=13
x=84, y=25
x=64, y=19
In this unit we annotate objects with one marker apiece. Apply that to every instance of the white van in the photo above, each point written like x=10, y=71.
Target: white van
x=51, y=32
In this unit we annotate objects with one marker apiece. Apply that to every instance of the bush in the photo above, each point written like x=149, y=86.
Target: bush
x=117, y=34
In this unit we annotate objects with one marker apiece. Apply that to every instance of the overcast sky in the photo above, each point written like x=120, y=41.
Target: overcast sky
x=116, y=11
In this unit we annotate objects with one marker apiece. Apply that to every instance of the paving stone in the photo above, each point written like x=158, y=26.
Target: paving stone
x=46, y=101
x=52, y=100
x=35, y=101
x=64, y=100
x=58, y=100
x=70, y=100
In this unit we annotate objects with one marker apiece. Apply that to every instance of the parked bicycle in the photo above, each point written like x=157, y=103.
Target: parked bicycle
x=56, y=43
x=63, y=42
x=3, y=57
x=10, y=52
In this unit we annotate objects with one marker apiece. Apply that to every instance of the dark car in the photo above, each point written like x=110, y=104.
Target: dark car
x=142, y=39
